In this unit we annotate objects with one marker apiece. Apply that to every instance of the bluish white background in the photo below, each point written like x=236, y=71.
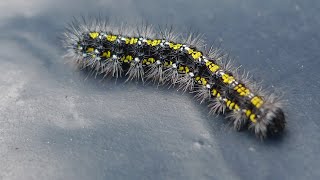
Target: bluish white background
x=54, y=124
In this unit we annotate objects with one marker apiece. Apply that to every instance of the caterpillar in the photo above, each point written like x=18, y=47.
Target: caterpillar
x=166, y=58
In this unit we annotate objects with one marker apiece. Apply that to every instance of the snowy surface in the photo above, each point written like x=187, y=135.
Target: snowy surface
x=54, y=124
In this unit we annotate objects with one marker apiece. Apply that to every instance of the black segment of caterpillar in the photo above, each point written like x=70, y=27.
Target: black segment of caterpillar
x=168, y=59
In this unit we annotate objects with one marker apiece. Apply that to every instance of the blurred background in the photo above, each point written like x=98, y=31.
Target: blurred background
x=57, y=124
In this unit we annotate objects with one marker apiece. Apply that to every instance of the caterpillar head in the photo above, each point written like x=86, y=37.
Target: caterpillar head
x=271, y=123
x=276, y=121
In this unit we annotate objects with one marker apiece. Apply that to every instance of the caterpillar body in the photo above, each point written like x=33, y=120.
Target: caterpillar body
x=167, y=58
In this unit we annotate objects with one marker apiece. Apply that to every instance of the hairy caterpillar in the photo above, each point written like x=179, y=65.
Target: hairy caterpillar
x=166, y=58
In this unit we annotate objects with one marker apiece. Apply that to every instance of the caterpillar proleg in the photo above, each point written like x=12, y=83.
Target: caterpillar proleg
x=165, y=58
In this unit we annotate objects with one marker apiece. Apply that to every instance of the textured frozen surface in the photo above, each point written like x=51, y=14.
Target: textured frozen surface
x=55, y=125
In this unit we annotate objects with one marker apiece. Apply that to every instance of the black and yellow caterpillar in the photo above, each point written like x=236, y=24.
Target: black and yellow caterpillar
x=168, y=59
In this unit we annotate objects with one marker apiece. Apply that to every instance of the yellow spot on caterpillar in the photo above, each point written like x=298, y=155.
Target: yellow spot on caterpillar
x=127, y=58
x=175, y=46
x=214, y=92
x=231, y=105
x=201, y=80
x=212, y=67
x=253, y=118
x=156, y=42
x=131, y=40
x=148, y=61
x=248, y=112
x=196, y=55
x=245, y=92
x=166, y=64
x=111, y=38
x=90, y=50
x=151, y=60
x=184, y=69
x=228, y=102
x=242, y=90
x=94, y=35
x=149, y=42
x=227, y=78
x=257, y=101
x=190, y=51
x=106, y=54
x=236, y=107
